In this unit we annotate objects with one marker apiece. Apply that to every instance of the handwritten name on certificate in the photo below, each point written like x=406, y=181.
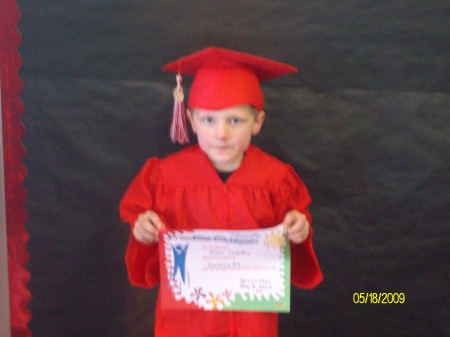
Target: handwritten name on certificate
x=225, y=270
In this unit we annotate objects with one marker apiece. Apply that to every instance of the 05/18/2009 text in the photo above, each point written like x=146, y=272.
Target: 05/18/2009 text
x=379, y=298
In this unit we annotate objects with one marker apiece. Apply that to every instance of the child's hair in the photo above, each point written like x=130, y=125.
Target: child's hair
x=254, y=111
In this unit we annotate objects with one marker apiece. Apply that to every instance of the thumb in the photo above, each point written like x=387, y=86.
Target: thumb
x=288, y=220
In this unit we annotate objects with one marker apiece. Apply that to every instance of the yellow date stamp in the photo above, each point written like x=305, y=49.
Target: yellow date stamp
x=379, y=298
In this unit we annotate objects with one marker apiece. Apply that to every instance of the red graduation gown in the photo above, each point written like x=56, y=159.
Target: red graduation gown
x=187, y=193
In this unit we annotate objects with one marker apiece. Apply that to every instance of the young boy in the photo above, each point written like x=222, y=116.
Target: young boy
x=223, y=182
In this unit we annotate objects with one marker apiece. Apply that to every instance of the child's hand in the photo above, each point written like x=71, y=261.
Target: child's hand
x=297, y=226
x=146, y=227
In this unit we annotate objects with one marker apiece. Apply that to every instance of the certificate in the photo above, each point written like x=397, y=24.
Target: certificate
x=243, y=270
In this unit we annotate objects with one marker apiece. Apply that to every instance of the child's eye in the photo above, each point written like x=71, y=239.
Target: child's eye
x=235, y=121
x=207, y=120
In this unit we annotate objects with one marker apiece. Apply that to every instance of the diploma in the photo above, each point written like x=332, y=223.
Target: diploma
x=229, y=270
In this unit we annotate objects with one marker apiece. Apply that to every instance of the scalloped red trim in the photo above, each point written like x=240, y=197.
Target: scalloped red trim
x=15, y=172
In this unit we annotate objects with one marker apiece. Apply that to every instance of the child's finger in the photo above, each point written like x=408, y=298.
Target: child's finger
x=147, y=227
x=143, y=235
x=289, y=220
x=155, y=220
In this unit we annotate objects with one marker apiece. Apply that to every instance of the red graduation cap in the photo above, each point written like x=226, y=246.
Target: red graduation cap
x=222, y=78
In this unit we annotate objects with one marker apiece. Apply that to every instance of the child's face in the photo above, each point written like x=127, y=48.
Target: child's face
x=224, y=135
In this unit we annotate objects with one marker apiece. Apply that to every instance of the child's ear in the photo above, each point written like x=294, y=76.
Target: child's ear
x=191, y=120
x=259, y=122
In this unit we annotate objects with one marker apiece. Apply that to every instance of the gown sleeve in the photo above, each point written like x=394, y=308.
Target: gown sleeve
x=142, y=261
x=305, y=270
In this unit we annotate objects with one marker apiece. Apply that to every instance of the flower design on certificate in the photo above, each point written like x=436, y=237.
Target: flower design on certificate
x=276, y=238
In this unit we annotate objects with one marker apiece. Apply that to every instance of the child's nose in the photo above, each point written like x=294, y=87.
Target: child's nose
x=222, y=130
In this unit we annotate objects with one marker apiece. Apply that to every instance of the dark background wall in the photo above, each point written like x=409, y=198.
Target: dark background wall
x=365, y=124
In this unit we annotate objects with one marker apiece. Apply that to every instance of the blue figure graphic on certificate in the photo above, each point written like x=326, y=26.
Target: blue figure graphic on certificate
x=179, y=257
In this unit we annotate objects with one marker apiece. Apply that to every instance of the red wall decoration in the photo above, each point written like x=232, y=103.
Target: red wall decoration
x=15, y=173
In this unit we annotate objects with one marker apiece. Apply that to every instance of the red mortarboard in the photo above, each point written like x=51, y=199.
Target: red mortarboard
x=224, y=78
